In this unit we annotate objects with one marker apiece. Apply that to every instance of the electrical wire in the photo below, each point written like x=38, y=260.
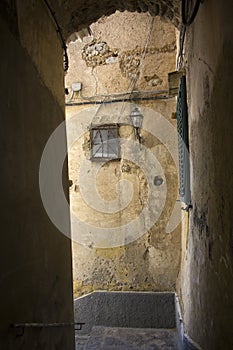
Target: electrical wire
x=180, y=58
x=189, y=11
x=134, y=92
x=59, y=31
x=132, y=99
x=134, y=81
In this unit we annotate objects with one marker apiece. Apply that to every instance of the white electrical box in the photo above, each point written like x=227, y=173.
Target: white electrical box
x=76, y=87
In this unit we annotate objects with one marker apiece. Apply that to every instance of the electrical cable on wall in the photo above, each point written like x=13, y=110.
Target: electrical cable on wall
x=129, y=99
x=117, y=94
x=59, y=31
x=91, y=98
x=134, y=81
x=189, y=11
x=143, y=95
x=180, y=57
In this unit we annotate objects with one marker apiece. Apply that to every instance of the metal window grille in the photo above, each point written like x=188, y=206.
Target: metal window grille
x=183, y=143
x=104, y=142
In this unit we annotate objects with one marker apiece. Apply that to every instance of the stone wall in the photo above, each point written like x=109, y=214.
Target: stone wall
x=108, y=63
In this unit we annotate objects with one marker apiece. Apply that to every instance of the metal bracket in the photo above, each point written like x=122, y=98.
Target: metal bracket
x=20, y=327
x=79, y=325
x=187, y=208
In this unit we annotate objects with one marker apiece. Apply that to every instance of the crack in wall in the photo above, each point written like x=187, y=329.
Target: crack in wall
x=96, y=80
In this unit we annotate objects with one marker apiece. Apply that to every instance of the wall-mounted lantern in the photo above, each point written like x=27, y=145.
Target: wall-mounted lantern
x=136, y=120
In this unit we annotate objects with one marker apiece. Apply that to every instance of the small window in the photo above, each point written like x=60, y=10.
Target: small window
x=183, y=143
x=104, y=142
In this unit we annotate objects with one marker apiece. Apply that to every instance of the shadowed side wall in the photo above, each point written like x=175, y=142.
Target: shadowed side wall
x=207, y=281
x=35, y=262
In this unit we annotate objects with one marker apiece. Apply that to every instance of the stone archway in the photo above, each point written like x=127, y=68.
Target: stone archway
x=74, y=15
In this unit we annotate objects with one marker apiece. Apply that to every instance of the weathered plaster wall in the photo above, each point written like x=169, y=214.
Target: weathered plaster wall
x=207, y=273
x=35, y=259
x=107, y=63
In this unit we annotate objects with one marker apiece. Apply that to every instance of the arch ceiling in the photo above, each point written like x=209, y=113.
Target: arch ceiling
x=73, y=15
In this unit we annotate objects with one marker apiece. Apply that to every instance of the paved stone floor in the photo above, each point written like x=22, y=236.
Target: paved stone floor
x=106, y=338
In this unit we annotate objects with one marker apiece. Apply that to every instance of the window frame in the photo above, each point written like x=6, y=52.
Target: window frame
x=100, y=127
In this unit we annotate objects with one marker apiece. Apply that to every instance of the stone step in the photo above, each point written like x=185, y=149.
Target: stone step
x=125, y=309
x=117, y=338
x=80, y=341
